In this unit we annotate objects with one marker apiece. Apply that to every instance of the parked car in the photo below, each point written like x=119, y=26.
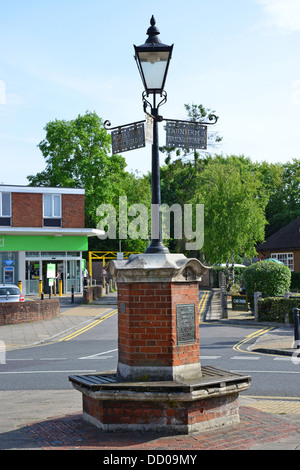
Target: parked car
x=10, y=293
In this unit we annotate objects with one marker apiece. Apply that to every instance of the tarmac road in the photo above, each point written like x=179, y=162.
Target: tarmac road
x=52, y=419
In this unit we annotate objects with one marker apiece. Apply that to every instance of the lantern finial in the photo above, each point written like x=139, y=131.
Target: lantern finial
x=153, y=32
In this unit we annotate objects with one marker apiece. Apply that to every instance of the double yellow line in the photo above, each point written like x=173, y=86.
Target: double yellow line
x=202, y=302
x=254, y=335
x=89, y=326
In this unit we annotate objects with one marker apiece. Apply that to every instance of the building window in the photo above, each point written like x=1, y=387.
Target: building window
x=5, y=209
x=52, y=210
x=286, y=258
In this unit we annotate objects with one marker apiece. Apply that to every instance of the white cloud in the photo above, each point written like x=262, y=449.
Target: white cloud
x=282, y=14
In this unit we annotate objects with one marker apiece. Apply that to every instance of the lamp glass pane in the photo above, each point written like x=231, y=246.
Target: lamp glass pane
x=154, y=66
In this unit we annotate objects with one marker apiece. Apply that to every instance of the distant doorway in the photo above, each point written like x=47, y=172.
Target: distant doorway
x=67, y=267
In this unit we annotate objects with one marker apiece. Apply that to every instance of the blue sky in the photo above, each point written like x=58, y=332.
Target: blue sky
x=60, y=58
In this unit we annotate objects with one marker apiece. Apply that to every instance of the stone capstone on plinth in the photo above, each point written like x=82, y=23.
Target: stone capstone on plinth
x=158, y=268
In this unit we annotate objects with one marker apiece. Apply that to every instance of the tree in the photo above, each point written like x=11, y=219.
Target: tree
x=77, y=155
x=234, y=201
x=234, y=198
x=284, y=203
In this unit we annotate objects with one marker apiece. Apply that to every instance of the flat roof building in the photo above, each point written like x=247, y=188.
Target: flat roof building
x=39, y=226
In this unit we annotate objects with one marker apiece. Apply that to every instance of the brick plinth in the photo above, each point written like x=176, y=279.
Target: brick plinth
x=148, y=330
x=180, y=417
x=116, y=405
x=159, y=384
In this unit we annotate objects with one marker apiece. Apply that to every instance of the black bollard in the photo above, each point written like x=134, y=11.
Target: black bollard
x=72, y=294
x=42, y=295
x=296, y=326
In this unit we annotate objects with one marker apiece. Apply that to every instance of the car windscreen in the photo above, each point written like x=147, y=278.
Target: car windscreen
x=9, y=291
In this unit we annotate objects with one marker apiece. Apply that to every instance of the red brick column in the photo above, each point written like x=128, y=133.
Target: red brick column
x=149, y=342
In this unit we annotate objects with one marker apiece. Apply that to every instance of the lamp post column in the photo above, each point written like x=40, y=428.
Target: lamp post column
x=156, y=245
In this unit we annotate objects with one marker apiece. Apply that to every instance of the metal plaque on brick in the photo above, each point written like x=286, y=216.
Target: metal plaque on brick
x=186, y=135
x=186, y=327
x=127, y=138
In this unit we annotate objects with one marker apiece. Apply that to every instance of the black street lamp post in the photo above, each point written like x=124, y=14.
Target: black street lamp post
x=153, y=59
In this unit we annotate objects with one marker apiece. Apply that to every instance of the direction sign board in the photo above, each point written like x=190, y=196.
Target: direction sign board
x=240, y=303
x=187, y=135
x=126, y=138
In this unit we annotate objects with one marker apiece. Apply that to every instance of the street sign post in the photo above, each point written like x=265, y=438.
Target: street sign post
x=129, y=137
x=240, y=303
x=182, y=134
x=51, y=271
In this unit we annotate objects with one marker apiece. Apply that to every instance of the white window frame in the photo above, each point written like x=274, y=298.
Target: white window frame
x=52, y=216
x=286, y=258
x=1, y=205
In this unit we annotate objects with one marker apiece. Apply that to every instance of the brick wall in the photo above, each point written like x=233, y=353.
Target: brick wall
x=267, y=254
x=73, y=215
x=196, y=414
x=12, y=313
x=92, y=293
x=297, y=261
x=147, y=328
x=27, y=210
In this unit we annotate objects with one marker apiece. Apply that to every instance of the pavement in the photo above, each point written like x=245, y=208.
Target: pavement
x=52, y=419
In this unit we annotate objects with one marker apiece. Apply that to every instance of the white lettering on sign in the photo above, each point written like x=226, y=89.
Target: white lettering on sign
x=186, y=135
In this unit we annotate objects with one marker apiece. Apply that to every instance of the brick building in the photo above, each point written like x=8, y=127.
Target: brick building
x=39, y=226
x=284, y=246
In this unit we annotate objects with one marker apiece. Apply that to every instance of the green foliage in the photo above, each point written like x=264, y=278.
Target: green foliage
x=234, y=202
x=238, y=274
x=277, y=309
x=77, y=156
x=267, y=277
x=241, y=198
x=282, y=181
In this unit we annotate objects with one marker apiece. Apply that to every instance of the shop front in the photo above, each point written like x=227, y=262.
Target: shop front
x=68, y=270
x=26, y=255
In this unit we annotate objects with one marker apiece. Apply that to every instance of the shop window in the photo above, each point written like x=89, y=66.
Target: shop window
x=5, y=209
x=52, y=210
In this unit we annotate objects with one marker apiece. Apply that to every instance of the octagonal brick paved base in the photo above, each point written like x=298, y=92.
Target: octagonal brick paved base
x=172, y=407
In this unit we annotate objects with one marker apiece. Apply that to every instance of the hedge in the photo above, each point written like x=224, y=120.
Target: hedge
x=275, y=309
x=267, y=277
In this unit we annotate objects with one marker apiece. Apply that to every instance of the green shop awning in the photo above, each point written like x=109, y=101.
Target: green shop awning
x=39, y=239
